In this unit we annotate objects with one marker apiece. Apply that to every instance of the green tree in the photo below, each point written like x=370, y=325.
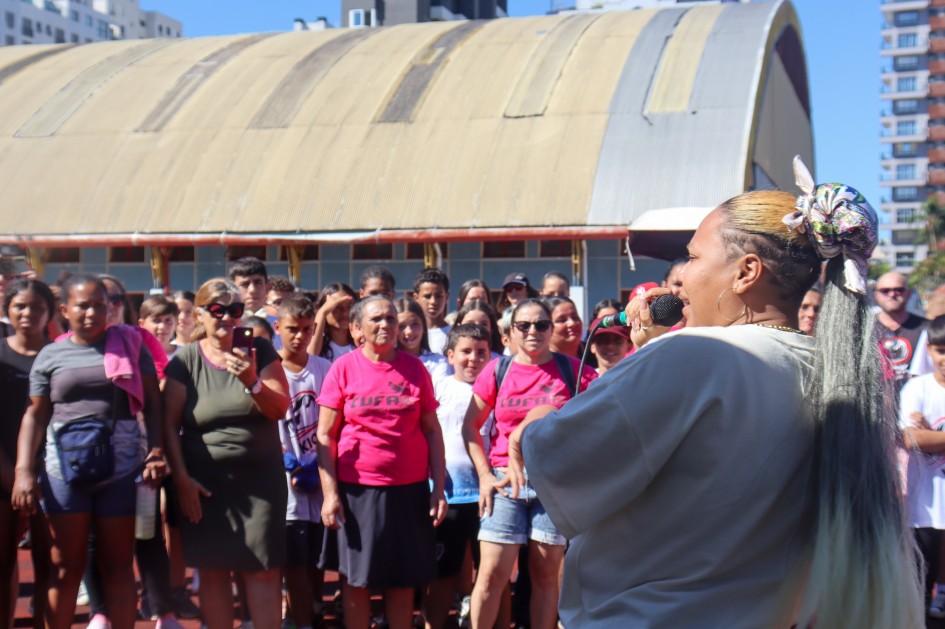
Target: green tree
x=932, y=214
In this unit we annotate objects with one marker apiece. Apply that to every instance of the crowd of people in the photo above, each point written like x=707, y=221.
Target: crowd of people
x=275, y=434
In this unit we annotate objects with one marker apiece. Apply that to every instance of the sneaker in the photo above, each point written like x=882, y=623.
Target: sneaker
x=83, y=598
x=937, y=606
x=464, y=607
x=99, y=621
x=168, y=621
x=183, y=606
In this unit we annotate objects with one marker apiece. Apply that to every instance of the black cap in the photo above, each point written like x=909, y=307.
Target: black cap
x=515, y=278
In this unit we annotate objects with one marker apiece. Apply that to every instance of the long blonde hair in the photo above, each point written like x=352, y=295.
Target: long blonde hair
x=863, y=563
x=210, y=291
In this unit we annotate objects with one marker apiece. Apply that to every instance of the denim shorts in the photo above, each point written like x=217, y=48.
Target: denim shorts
x=116, y=498
x=517, y=521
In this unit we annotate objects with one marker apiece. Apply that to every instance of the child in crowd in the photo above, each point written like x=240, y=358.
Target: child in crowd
x=304, y=531
x=609, y=346
x=377, y=280
x=158, y=315
x=467, y=351
x=413, y=338
x=431, y=289
x=922, y=420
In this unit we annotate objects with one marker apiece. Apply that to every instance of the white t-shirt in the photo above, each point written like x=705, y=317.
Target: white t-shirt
x=339, y=350
x=921, y=360
x=297, y=433
x=437, y=338
x=681, y=477
x=462, y=481
x=436, y=365
x=925, y=476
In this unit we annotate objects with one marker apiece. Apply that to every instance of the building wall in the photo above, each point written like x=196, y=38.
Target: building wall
x=910, y=93
x=80, y=22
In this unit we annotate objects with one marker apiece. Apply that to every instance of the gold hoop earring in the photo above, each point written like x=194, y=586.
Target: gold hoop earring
x=718, y=306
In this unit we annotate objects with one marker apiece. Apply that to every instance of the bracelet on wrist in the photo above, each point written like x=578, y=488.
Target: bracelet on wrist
x=255, y=388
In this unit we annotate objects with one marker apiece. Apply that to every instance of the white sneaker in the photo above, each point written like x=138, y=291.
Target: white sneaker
x=83, y=598
x=99, y=621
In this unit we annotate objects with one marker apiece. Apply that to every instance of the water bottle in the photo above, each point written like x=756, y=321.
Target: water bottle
x=145, y=510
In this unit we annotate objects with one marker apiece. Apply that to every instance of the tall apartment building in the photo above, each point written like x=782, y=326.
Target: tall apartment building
x=367, y=13
x=80, y=21
x=913, y=120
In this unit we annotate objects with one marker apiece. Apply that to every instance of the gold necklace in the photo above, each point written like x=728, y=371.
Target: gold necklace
x=783, y=328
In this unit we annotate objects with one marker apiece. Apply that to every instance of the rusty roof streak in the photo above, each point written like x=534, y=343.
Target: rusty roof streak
x=287, y=98
x=191, y=81
x=13, y=68
x=413, y=87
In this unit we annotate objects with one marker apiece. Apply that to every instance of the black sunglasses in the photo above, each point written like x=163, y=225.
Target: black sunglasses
x=218, y=311
x=891, y=291
x=540, y=326
x=116, y=298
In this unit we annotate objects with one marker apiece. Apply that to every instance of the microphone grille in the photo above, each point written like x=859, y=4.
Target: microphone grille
x=666, y=310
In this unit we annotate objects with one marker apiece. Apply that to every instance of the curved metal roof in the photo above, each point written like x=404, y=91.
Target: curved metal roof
x=567, y=123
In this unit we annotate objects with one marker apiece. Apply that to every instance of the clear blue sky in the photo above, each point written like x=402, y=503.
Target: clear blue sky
x=841, y=38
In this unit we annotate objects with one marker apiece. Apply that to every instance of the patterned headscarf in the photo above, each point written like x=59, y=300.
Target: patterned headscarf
x=838, y=220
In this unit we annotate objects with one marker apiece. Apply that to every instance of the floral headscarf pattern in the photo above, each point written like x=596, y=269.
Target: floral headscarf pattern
x=839, y=221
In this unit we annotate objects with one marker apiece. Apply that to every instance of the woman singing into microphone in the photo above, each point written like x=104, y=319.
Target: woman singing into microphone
x=739, y=473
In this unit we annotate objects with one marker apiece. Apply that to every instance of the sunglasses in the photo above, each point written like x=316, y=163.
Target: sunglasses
x=891, y=291
x=116, y=298
x=218, y=311
x=540, y=326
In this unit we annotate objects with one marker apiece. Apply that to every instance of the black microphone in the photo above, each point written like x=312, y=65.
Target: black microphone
x=666, y=310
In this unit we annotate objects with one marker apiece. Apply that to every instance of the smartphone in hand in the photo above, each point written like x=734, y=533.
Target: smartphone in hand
x=243, y=339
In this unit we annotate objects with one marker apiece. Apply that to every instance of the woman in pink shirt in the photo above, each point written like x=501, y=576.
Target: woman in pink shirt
x=535, y=376
x=379, y=442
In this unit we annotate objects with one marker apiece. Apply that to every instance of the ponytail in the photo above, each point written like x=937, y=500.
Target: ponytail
x=863, y=569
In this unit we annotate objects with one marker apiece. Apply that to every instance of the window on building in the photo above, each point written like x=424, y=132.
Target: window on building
x=10, y=20
x=9, y=40
x=88, y=20
x=905, y=84
x=906, y=215
x=905, y=149
x=904, y=236
x=905, y=63
x=908, y=40
x=415, y=250
x=160, y=29
x=63, y=256
x=554, y=248
x=26, y=27
x=906, y=18
x=74, y=38
x=103, y=29
x=373, y=251
x=60, y=36
x=504, y=249
x=74, y=15
x=182, y=254
x=236, y=252
x=356, y=18
x=905, y=193
x=126, y=254
x=905, y=258
x=905, y=106
x=905, y=171
x=49, y=30
x=905, y=127
x=309, y=252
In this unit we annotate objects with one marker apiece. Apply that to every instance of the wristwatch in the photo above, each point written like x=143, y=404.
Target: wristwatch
x=256, y=388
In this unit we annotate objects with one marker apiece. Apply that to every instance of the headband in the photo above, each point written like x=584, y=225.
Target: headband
x=839, y=221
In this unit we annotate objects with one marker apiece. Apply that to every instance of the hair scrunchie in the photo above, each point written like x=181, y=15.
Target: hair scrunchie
x=839, y=221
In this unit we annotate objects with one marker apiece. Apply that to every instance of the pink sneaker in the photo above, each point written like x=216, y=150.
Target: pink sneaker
x=99, y=621
x=168, y=621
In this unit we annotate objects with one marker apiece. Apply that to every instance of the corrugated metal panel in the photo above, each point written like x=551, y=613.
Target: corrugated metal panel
x=677, y=72
x=540, y=77
x=459, y=164
x=590, y=76
x=57, y=110
x=23, y=57
x=192, y=80
x=413, y=87
x=284, y=102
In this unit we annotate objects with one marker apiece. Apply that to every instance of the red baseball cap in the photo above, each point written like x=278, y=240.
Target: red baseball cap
x=620, y=330
x=640, y=289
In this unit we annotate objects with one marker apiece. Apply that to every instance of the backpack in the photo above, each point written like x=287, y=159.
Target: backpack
x=564, y=366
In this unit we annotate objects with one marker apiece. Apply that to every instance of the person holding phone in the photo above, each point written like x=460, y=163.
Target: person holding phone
x=224, y=395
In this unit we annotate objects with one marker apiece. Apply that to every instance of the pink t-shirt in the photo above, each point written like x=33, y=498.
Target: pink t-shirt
x=524, y=388
x=381, y=442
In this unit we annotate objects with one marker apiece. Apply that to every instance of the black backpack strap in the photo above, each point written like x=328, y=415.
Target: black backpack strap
x=567, y=372
x=501, y=368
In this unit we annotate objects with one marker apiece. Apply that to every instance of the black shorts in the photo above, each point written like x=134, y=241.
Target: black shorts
x=303, y=542
x=458, y=531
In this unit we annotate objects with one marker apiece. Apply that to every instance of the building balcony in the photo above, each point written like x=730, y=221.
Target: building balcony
x=937, y=133
x=936, y=156
x=937, y=177
x=936, y=89
x=937, y=22
x=937, y=44
x=893, y=6
x=937, y=3
x=936, y=111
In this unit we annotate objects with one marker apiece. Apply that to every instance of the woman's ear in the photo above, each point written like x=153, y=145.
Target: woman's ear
x=750, y=270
